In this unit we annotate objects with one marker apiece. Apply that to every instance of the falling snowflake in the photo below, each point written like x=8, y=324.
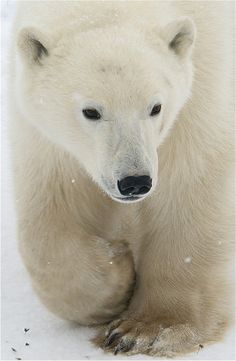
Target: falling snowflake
x=188, y=259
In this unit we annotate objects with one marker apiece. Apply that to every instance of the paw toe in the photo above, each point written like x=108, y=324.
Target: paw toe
x=111, y=339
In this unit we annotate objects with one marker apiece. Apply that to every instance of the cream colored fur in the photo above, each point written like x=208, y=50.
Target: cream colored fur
x=83, y=249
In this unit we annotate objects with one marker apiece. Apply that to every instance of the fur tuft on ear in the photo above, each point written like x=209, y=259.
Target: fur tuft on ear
x=180, y=36
x=33, y=45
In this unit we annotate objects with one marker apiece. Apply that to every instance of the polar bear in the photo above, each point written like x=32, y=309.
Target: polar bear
x=121, y=133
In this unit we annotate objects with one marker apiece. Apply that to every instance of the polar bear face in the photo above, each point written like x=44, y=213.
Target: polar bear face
x=108, y=96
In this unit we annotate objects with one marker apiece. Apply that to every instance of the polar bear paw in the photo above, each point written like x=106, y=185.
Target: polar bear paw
x=130, y=336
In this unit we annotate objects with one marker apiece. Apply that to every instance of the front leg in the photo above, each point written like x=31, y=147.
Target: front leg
x=79, y=277
x=176, y=307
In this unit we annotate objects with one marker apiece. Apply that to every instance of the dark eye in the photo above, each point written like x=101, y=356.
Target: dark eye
x=155, y=110
x=91, y=113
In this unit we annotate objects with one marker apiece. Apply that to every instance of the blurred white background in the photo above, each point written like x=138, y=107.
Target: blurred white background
x=48, y=337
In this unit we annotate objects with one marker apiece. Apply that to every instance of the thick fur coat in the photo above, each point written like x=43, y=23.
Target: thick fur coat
x=157, y=267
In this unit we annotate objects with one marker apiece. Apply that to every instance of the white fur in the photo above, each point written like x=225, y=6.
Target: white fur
x=122, y=58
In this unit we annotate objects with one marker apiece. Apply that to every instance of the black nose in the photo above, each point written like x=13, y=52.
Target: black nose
x=130, y=186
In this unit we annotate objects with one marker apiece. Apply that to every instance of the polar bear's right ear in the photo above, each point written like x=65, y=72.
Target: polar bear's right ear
x=33, y=45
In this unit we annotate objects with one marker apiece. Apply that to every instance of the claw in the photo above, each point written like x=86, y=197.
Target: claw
x=112, y=327
x=124, y=346
x=112, y=338
x=152, y=342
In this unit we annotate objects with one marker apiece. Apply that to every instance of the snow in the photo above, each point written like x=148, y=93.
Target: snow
x=27, y=326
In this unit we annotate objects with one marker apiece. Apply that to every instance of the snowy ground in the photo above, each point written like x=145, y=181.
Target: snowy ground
x=48, y=337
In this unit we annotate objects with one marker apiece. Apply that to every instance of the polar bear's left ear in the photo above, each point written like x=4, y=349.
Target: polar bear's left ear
x=180, y=36
x=33, y=45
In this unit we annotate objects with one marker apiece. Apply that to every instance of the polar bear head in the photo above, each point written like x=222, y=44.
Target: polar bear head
x=109, y=96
